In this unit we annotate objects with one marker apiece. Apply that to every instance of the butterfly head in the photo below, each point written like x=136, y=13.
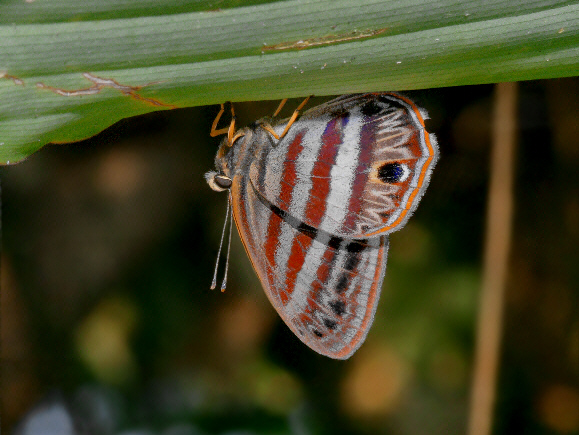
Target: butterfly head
x=220, y=180
x=230, y=156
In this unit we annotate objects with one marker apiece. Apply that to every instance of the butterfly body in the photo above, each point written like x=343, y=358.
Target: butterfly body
x=315, y=207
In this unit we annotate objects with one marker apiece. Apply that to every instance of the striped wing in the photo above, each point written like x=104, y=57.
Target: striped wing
x=325, y=288
x=356, y=166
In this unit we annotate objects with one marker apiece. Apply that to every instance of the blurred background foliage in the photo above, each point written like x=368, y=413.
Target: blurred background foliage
x=109, y=326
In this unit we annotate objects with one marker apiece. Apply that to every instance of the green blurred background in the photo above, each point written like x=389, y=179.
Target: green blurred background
x=108, y=252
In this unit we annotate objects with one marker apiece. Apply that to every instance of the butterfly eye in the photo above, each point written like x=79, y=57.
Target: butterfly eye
x=393, y=172
x=218, y=182
x=222, y=181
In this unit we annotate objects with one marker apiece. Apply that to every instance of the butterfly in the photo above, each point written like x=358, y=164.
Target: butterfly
x=314, y=198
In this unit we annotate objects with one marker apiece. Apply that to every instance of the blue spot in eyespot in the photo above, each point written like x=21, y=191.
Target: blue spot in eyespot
x=390, y=172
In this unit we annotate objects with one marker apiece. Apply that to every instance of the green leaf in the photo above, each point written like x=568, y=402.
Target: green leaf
x=70, y=68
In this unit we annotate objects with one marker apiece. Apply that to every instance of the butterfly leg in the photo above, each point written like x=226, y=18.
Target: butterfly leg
x=232, y=136
x=279, y=107
x=214, y=132
x=293, y=118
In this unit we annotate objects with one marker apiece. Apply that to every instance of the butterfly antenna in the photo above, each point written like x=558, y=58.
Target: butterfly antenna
x=214, y=282
x=224, y=283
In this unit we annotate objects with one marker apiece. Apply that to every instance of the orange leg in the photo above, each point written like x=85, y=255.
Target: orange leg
x=293, y=118
x=231, y=128
x=269, y=129
x=232, y=136
x=235, y=137
x=214, y=132
x=279, y=107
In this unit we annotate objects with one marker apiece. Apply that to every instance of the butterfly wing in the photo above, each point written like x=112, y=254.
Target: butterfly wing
x=325, y=288
x=356, y=166
x=314, y=210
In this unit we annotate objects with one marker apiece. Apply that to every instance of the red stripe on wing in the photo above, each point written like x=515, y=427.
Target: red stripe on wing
x=289, y=175
x=299, y=250
x=317, y=201
x=285, y=195
x=367, y=139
